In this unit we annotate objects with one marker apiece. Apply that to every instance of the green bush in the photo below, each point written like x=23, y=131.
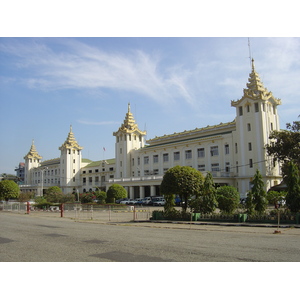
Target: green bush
x=114, y=192
x=43, y=205
x=228, y=199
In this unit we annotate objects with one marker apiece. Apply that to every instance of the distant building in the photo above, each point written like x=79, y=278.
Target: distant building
x=230, y=151
x=20, y=172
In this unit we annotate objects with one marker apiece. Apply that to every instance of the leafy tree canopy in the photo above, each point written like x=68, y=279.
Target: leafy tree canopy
x=274, y=197
x=115, y=192
x=258, y=193
x=284, y=146
x=54, y=194
x=209, y=195
x=183, y=181
x=228, y=198
x=9, y=190
x=101, y=196
x=26, y=196
x=293, y=187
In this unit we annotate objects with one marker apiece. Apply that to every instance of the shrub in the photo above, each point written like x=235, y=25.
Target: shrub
x=228, y=199
x=9, y=190
x=114, y=192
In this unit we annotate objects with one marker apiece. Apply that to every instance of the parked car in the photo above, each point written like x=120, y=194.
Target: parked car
x=158, y=201
x=133, y=202
x=119, y=200
x=146, y=201
x=125, y=201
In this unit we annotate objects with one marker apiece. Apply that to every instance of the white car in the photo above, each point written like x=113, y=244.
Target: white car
x=146, y=200
x=159, y=201
x=125, y=201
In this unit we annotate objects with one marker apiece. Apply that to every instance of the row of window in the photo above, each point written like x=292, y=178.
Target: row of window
x=69, y=151
x=256, y=108
x=111, y=169
x=47, y=173
x=96, y=179
x=188, y=154
x=249, y=126
x=34, y=160
x=120, y=138
x=52, y=181
x=215, y=167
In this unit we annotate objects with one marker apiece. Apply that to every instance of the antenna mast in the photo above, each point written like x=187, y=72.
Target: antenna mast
x=250, y=58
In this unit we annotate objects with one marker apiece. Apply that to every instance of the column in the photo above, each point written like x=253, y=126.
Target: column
x=131, y=192
x=152, y=190
x=142, y=192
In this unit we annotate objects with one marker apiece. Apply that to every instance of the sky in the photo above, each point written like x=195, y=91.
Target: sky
x=172, y=84
x=179, y=67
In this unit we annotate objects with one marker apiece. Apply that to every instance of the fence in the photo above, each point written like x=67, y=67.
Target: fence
x=103, y=213
x=14, y=206
x=110, y=213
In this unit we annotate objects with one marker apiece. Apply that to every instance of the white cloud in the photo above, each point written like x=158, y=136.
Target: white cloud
x=87, y=67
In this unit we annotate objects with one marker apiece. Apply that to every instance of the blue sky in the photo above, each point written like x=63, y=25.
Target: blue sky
x=172, y=84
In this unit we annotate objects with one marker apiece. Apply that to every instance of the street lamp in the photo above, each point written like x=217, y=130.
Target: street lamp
x=77, y=194
x=42, y=192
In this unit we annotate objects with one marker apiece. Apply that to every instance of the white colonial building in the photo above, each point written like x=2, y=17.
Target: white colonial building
x=230, y=151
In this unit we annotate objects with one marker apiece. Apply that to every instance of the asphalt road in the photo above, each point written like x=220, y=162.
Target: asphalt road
x=29, y=238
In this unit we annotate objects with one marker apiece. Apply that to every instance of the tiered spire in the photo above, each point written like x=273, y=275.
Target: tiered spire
x=255, y=89
x=32, y=152
x=70, y=142
x=129, y=121
x=129, y=124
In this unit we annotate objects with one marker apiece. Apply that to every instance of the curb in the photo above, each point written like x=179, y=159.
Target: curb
x=223, y=224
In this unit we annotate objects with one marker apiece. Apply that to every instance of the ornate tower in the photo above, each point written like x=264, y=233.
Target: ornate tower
x=32, y=160
x=128, y=137
x=256, y=118
x=70, y=163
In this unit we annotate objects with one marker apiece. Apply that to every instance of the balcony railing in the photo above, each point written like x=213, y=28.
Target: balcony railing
x=142, y=178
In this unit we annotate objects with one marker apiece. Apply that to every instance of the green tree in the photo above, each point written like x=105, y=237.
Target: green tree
x=41, y=203
x=88, y=197
x=209, y=201
x=273, y=197
x=228, y=199
x=101, y=196
x=183, y=181
x=26, y=196
x=258, y=193
x=115, y=192
x=284, y=145
x=9, y=190
x=249, y=205
x=68, y=198
x=170, y=203
x=54, y=194
x=293, y=188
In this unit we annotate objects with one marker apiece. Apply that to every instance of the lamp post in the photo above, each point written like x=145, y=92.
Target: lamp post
x=77, y=195
x=42, y=192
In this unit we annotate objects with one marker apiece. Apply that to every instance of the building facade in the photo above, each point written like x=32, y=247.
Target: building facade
x=230, y=151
